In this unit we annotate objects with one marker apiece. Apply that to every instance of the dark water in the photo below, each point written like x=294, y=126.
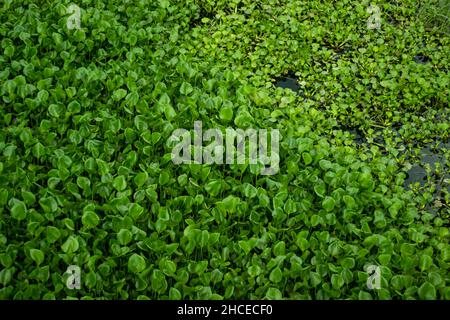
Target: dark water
x=430, y=157
x=288, y=82
x=359, y=136
x=197, y=21
x=421, y=59
x=418, y=173
x=341, y=51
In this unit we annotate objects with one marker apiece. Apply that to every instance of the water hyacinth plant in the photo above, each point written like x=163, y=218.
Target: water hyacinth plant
x=93, y=207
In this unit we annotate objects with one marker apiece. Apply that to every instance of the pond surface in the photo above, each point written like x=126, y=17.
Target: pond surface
x=421, y=59
x=418, y=173
x=287, y=82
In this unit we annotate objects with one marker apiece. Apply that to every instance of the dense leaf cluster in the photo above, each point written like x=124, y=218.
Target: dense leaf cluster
x=86, y=176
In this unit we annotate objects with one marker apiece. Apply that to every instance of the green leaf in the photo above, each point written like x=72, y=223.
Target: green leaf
x=74, y=107
x=379, y=219
x=164, y=3
x=84, y=183
x=254, y=271
x=70, y=245
x=226, y=113
x=6, y=276
x=274, y=294
x=245, y=246
x=38, y=150
x=349, y=201
x=19, y=210
x=132, y=99
x=395, y=208
x=425, y=262
x=53, y=234
x=250, y=191
x=165, y=106
x=363, y=295
x=140, y=179
x=307, y=159
x=366, y=180
x=337, y=281
x=174, y=294
x=79, y=35
x=37, y=256
x=315, y=220
x=320, y=189
x=169, y=112
x=276, y=275
x=159, y=283
x=48, y=204
x=290, y=206
x=244, y=119
x=186, y=88
x=315, y=279
x=164, y=177
x=3, y=197
x=427, y=291
x=90, y=219
x=348, y=263
x=55, y=110
x=213, y=187
x=136, y=263
x=124, y=236
x=279, y=249
x=135, y=211
x=9, y=51
x=384, y=259
x=302, y=243
x=168, y=267
x=119, y=94
x=119, y=183
x=328, y=203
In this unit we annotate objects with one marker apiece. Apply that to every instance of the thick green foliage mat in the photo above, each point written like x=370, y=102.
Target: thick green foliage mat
x=86, y=177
